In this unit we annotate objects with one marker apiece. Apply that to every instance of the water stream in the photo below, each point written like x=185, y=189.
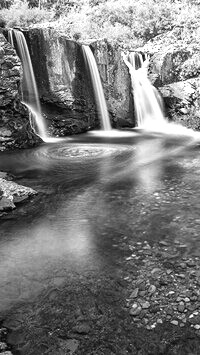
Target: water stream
x=29, y=88
x=98, y=89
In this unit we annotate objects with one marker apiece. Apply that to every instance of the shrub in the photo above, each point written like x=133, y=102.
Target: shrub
x=20, y=15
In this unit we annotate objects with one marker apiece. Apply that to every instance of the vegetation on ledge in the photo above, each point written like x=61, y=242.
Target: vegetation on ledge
x=131, y=23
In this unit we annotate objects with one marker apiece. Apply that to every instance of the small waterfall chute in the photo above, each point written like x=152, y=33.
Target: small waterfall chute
x=29, y=88
x=147, y=100
x=98, y=89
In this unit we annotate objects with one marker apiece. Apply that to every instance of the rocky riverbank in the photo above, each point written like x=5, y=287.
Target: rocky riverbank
x=149, y=304
x=4, y=348
x=12, y=193
x=165, y=287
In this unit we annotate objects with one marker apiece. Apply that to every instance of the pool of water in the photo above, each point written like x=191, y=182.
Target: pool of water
x=92, y=190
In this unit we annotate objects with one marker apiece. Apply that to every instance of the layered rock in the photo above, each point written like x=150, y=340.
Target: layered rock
x=116, y=82
x=15, y=128
x=64, y=82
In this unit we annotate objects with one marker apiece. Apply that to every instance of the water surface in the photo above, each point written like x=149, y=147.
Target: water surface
x=92, y=190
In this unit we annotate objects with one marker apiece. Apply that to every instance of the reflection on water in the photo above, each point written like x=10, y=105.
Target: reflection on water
x=91, y=192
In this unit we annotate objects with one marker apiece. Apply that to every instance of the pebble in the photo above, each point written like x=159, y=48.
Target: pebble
x=152, y=289
x=181, y=307
x=186, y=299
x=3, y=346
x=135, y=309
x=190, y=263
x=165, y=289
x=134, y=294
x=145, y=305
x=159, y=321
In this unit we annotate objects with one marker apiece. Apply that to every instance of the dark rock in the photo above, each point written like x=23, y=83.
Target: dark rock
x=83, y=328
x=15, y=128
x=65, y=84
x=181, y=307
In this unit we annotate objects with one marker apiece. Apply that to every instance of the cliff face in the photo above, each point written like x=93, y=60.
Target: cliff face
x=116, y=83
x=15, y=129
x=65, y=85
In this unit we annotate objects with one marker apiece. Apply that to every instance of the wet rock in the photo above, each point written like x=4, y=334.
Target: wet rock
x=6, y=204
x=12, y=193
x=165, y=302
x=83, y=328
x=181, y=307
x=135, y=309
x=145, y=305
x=15, y=128
x=152, y=289
x=134, y=294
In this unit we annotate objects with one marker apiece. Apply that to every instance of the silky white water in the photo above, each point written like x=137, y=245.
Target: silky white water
x=98, y=89
x=147, y=100
x=29, y=88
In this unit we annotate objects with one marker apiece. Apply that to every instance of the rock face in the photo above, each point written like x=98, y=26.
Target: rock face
x=175, y=71
x=65, y=85
x=15, y=129
x=116, y=83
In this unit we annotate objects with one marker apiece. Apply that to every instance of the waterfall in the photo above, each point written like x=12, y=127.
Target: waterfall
x=97, y=86
x=147, y=100
x=29, y=88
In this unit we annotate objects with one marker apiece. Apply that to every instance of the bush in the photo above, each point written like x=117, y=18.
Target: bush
x=20, y=15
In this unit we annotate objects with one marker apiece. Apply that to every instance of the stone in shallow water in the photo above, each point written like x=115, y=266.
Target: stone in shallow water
x=135, y=310
x=134, y=294
x=6, y=204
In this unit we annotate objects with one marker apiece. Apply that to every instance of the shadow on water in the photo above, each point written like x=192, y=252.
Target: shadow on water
x=91, y=191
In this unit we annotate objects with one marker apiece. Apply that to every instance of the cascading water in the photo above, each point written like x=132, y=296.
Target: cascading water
x=29, y=88
x=147, y=100
x=97, y=86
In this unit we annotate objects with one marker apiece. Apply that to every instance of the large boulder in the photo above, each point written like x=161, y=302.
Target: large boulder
x=15, y=128
x=65, y=85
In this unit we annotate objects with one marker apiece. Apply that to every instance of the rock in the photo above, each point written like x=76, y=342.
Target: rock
x=145, y=305
x=3, y=346
x=152, y=289
x=181, y=307
x=63, y=78
x=135, y=309
x=83, y=328
x=13, y=193
x=186, y=299
x=15, y=128
x=134, y=294
x=6, y=204
x=197, y=326
x=154, y=309
x=174, y=322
